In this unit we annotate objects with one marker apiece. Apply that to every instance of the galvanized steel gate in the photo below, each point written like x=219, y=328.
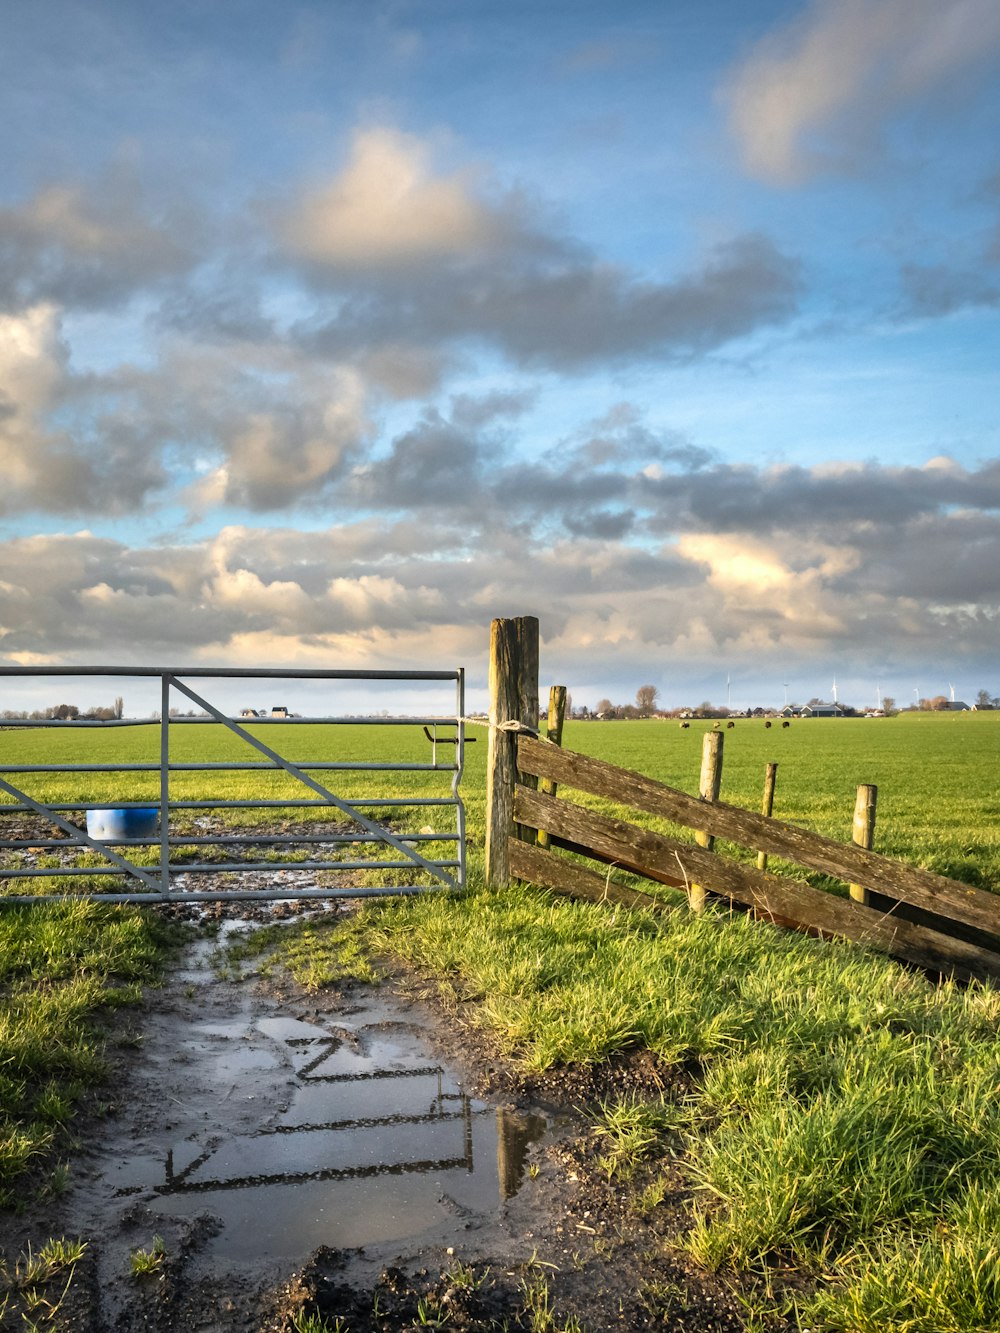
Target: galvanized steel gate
x=391, y=835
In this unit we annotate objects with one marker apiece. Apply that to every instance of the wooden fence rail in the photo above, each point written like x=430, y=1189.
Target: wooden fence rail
x=937, y=902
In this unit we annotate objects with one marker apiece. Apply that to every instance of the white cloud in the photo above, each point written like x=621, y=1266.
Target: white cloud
x=388, y=208
x=813, y=95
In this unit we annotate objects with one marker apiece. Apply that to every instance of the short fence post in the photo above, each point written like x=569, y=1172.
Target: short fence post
x=767, y=806
x=513, y=683
x=553, y=732
x=526, y=631
x=863, y=830
x=708, y=790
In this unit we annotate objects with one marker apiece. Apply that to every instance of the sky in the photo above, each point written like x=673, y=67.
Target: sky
x=330, y=331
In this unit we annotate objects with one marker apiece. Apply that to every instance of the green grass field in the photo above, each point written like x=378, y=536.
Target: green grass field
x=938, y=803
x=842, y=1132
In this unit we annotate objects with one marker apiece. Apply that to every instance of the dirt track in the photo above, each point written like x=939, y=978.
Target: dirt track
x=225, y=1075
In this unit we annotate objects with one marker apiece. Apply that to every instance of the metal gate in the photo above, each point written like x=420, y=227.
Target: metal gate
x=362, y=845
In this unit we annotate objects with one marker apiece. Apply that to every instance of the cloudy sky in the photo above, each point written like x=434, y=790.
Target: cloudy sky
x=329, y=331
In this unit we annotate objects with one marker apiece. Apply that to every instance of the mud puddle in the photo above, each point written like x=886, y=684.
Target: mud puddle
x=312, y=1130
x=254, y=1129
x=358, y=1158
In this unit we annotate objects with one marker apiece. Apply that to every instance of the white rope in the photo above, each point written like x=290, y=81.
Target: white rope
x=511, y=725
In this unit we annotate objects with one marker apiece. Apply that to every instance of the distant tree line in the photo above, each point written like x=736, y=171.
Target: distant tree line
x=67, y=712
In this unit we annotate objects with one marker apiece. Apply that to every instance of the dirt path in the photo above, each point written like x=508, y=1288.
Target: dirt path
x=359, y=1157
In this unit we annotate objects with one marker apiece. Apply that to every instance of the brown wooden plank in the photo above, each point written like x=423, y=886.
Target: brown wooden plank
x=537, y=866
x=771, y=896
x=936, y=893
x=673, y=880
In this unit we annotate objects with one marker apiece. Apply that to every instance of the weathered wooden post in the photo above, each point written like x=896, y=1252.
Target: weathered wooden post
x=708, y=790
x=526, y=630
x=553, y=732
x=863, y=830
x=513, y=684
x=767, y=806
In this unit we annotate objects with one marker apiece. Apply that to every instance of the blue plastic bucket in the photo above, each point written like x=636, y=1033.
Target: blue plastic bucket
x=110, y=825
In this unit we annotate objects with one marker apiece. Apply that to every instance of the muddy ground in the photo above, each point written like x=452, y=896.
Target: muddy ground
x=203, y=1064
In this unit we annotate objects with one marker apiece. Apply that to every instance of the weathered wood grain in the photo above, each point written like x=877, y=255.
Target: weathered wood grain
x=709, y=785
x=778, y=897
x=551, y=871
x=935, y=893
x=863, y=830
x=501, y=755
x=767, y=805
x=553, y=734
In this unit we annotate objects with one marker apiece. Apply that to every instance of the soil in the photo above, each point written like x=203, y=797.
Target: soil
x=568, y=1250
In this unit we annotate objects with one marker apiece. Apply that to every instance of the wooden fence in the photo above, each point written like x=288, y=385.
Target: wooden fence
x=958, y=926
x=926, y=919
x=937, y=923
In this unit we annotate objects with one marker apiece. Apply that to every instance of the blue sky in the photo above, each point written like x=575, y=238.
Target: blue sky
x=330, y=331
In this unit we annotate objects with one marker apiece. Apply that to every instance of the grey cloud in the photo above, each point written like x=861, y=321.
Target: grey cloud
x=910, y=581
x=89, y=247
x=620, y=436
x=931, y=290
x=472, y=412
x=605, y=524
x=746, y=499
x=952, y=561
x=433, y=464
x=569, y=316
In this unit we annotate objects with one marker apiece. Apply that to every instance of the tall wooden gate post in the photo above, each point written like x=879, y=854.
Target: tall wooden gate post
x=513, y=684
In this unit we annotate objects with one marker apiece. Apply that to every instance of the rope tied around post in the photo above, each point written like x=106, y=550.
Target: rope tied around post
x=512, y=724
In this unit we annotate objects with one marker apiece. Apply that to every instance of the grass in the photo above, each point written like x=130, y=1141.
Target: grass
x=842, y=1121
x=37, y=1283
x=61, y=968
x=144, y=1263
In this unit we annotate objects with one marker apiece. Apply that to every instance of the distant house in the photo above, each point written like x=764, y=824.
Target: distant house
x=957, y=706
x=279, y=710
x=249, y=712
x=790, y=710
x=822, y=710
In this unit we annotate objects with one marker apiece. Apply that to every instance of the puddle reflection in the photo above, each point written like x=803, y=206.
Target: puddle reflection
x=376, y=1143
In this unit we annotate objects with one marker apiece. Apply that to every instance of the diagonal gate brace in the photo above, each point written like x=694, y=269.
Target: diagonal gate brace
x=379, y=830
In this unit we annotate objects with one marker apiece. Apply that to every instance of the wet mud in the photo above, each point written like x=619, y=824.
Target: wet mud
x=353, y=1156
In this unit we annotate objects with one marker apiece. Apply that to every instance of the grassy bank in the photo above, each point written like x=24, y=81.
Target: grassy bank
x=842, y=1125
x=62, y=968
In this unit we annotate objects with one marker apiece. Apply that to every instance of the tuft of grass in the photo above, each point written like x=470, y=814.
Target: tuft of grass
x=637, y=1130
x=144, y=1262
x=312, y=1322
